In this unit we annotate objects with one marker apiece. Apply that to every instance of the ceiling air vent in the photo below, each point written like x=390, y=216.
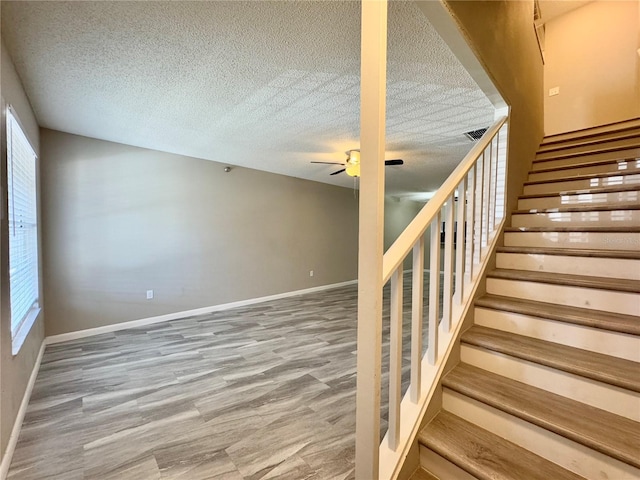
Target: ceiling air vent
x=475, y=135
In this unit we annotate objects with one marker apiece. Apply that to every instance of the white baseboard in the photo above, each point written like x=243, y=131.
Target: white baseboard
x=65, y=337
x=17, y=425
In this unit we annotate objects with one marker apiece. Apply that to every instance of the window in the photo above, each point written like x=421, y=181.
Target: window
x=23, y=231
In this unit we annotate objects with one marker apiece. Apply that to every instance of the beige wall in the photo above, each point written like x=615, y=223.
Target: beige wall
x=591, y=54
x=14, y=370
x=502, y=35
x=398, y=213
x=121, y=220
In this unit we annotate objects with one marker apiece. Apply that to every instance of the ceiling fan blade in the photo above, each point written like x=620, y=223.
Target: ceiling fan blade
x=329, y=163
x=339, y=171
x=396, y=161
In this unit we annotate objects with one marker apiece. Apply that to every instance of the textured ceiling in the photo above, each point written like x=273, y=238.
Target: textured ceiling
x=266, y=85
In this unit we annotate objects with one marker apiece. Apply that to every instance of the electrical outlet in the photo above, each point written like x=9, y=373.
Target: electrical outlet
x=554, y=91
x=311, y=273
x=149, y=294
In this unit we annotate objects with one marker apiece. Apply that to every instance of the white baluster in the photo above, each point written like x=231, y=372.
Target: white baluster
x=502, y=172
x=417, y=306
x=460, y=240
x=486, y=167
x=494, y=179
x=434, y=290
x=477, y=239
x=471, y=215
x=504, y=169
x=395, y=358
x=448, y=264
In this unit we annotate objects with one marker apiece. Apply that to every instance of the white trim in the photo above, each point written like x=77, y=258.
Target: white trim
x=14, y=113
x=23, y=331
x=64, y=337
x=15, y=433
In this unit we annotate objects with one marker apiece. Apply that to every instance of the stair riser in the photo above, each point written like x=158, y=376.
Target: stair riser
x=575, y=240
x=585, y=170
x=613, y=218
x=441, y=467
x=591, y=392
x=615, y=344
x=589, y=266
x=579, y=199
x=581, y=184
x=591, y=298
x=556, y=159
x=568, y=454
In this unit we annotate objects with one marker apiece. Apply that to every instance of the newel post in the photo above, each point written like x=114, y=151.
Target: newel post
x=372, y=146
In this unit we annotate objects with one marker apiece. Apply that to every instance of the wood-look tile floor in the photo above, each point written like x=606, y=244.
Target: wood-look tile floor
x=262, y=392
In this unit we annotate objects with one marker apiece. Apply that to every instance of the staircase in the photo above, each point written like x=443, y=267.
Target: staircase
x=548, y=384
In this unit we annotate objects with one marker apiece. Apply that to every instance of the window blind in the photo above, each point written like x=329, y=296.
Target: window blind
x=23, y=224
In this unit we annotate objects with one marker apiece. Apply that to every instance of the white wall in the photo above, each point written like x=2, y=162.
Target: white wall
x=591, y=54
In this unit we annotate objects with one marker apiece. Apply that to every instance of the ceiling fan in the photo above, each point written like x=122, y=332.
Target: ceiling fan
x=352, y=163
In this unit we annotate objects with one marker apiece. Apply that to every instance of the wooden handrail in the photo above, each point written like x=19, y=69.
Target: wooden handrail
x=471, y=227
x=404, y=243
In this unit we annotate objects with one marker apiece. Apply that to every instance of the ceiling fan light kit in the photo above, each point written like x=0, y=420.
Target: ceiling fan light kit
x=352, y=163
x=353, y=170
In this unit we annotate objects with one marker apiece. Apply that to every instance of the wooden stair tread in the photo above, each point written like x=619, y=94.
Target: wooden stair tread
x=422, y=474
x=582, y=208
x=616, y=229
x=557, y=145
x=581, y=165
x=485, y=455
x=584, y=176
x=605, y=130
x=582, y=281
x=561, y=156
x=592, y=191
x=573, y=252
x=596, y=366
x=615, y=322
x=611, y=434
